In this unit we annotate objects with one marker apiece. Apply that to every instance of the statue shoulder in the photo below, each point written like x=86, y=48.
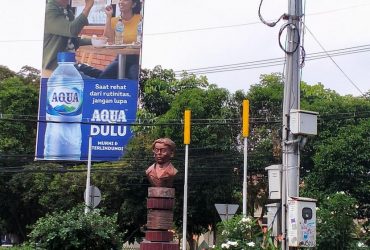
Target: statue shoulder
x=150, y=169
x=172, y=169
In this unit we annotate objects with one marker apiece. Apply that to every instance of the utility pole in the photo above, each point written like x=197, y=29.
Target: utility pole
x=290, y=168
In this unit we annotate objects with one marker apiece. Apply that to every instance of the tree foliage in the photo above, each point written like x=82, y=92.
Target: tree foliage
x=36, y=190
x=75, y=230
x=6, y=73
x=212, y=135
x=30, y=75
x=18, y=104
x=342, y=163
x=242, y=232
x=266, y=112
x=335, y=160
x=335, y=222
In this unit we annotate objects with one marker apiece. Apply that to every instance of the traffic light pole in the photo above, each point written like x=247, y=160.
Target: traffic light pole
x=290, y=169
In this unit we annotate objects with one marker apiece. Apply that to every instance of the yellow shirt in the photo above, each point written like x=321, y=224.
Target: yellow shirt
x=130, y=28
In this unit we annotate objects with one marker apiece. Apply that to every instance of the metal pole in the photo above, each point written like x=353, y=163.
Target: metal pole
x=245, y=187
x=121, y=66
x=87, y=192
x=185, y=209
x=290, y=175
x=245, y=132
x=227, y=211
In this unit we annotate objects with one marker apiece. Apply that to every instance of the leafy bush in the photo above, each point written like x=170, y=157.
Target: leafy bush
x=335, y=222
x=242, y=233
x=25, y=247
x=75, y=230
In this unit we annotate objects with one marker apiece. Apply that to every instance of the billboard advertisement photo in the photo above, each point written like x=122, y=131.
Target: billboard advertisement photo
x=89, y=84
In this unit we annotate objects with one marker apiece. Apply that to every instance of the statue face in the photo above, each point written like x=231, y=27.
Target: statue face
x=162, y=153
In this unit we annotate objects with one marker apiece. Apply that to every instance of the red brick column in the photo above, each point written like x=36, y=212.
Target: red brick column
x=160, y=205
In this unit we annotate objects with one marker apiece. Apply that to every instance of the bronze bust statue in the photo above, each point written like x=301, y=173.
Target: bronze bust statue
x=162, y=172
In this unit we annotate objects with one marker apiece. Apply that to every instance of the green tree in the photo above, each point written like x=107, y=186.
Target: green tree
x=264, y=142
x=132, y=186
x=214, y=159
x=242, y=232
x=75, y=230
x=30, y=75
x=214, y=134
x=335, y=222
x=6, y=73
x=33, y=190
x=342, y=163
x=335, y=111
x=18, y=106
x=265, y=111
x=159, y=88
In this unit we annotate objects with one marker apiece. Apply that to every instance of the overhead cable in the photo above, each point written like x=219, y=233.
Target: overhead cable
x=273, y=61
x=340, y=69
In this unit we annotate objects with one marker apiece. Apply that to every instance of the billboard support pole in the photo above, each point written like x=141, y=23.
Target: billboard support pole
x=87, y=192
x=121, y=66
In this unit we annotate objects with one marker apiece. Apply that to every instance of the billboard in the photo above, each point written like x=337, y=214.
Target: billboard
x=89, y=84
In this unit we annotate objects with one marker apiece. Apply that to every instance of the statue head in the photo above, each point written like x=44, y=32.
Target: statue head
x=163, y=149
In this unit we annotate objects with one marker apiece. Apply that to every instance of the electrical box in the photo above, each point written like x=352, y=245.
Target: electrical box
x=274, y=178
x=303, y=122
x=273, y=218
x=301, y=222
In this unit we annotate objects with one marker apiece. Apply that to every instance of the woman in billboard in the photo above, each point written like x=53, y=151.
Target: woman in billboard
x=130, y=17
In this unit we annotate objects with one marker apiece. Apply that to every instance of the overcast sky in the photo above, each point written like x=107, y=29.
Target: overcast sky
x=192, y=34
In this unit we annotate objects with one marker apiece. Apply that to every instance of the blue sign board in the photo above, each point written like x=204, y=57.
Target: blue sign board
x=108, y=108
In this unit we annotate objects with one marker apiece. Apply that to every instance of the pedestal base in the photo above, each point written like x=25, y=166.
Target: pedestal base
x=146, y=245
x=160, y=205
x=158, y=236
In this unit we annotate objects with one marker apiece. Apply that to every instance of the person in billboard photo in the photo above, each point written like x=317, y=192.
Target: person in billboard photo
x=131, y=18
x=61, y=31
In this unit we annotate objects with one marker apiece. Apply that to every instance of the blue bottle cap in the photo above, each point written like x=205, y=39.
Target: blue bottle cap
x=66, y=57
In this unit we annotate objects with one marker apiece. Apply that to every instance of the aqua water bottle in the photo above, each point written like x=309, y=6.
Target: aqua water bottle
x=118, y=32
x=63, y=134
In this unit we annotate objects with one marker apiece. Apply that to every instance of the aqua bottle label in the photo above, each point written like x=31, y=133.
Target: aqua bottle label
x=64, y=101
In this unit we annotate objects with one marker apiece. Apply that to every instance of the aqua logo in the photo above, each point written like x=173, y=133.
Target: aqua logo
x=66, y=97
x=64, y=101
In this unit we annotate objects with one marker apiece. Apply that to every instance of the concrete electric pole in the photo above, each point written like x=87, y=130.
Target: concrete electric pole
x=290, y=168
x=297, y=224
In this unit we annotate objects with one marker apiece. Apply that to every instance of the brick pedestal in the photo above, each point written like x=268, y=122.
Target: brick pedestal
x=147, y=245
x=160, y=205
x=159, y=236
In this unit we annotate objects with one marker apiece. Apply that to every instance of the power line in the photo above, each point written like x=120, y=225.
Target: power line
x=195, y=121
x=341, y=70
x=273, y=61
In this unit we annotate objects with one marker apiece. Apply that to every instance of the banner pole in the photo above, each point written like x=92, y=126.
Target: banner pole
x=88, y=191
